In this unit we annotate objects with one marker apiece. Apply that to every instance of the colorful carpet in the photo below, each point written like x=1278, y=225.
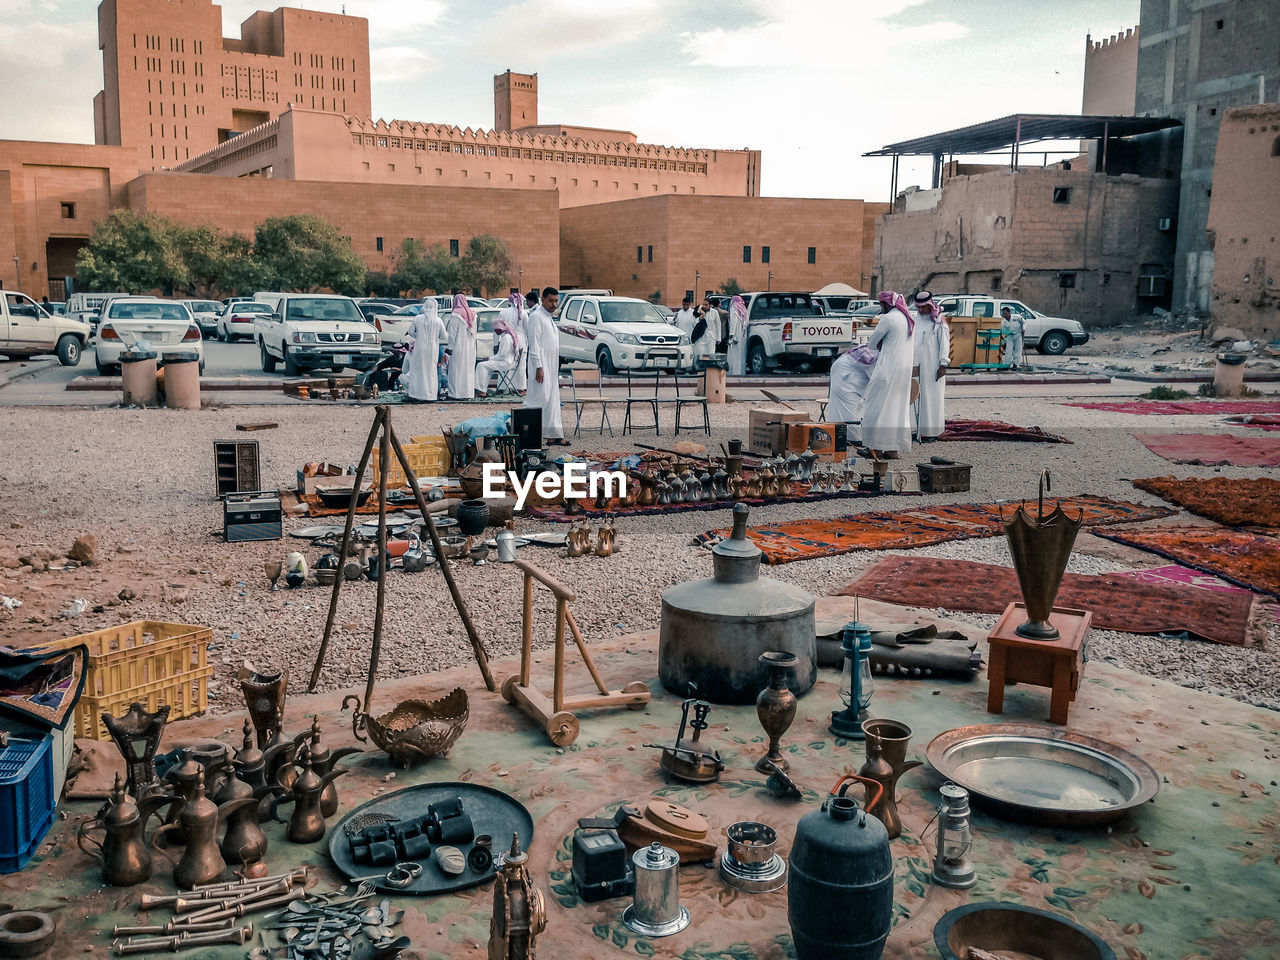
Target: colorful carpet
x=997, y=430
x=1116, y=602
x=1230, y=501
x=903, y=529
x=1238, y=556
x=1166, y=407
x=1213, y=449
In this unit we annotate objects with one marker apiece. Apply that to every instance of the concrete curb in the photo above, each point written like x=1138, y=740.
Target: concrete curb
x=29, y=369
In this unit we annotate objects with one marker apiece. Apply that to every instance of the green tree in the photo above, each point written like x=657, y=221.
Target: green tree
x=487, y=265
x=305, y=252
x=136, y=252
x=379, y=283
x=731, y=288
x=420, y=269
x=241, y=273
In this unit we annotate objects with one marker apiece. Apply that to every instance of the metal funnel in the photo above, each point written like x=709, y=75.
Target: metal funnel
x=1040, y=546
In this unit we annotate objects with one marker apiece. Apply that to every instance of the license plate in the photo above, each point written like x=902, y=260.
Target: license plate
x=825, y=352
x=661, y=362
x=342, y=358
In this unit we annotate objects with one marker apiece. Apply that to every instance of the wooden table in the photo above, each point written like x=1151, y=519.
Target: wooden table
x=1056, y=664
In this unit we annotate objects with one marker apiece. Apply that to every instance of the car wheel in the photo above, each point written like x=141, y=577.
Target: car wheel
x=1054, y=343
x=268, y=361
x=757, y=359
x=202, y=368
x=290, y=366
x=69, y=351
x=604, y=360
x=222, y=336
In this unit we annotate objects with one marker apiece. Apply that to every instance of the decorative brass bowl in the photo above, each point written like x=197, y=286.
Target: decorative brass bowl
x=414, y=729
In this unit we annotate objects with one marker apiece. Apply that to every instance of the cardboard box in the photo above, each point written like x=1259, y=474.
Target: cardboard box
x=767, y=428
x=314, y=473
x=830, y=441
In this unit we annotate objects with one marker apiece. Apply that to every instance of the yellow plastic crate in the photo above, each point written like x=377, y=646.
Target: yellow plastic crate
x=147, y=661
x=428, y=456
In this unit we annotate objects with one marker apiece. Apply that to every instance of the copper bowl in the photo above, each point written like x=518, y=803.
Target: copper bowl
x=415, y=729
x=337, y=496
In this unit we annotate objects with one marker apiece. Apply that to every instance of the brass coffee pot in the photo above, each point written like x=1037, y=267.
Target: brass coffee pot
x=250, y=761
x=201, y=861
x=244, y=842
x=322, y=761
x=122, y=851
x=886, y=763
x=182, y=781
x=306, y=824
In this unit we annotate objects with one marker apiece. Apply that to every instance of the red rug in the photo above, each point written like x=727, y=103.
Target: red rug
x=903, y=529
x=997, y=430
x=1238, y=556
x=1213, y=449
x=1166, y=407
x=1263, y=421
x=1230, y=501
x=1116, y=602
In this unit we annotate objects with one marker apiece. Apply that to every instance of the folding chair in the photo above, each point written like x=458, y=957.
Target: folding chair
x=650, y=400
x=589, y=377
x=682, y=402
x=506, y=387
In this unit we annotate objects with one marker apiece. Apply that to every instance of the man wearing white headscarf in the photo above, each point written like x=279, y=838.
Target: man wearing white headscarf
x=932, y=355
x=737, y=336
x=507, y=356
x=513, y=316
x=425, y=336
x=886, y=411
x=850, y=375
x=462, y=349
x=544, y=368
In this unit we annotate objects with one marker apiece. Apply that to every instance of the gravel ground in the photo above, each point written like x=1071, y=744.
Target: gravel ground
x=141, y=482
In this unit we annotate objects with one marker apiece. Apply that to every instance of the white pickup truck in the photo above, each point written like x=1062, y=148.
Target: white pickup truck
x=314, y=331
x=26, y=330
x=787, y=329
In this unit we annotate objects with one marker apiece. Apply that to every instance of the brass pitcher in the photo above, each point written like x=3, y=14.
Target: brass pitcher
x=201, y=860
x=306, y=824
x=122, y=851
x=182, y=780
x=244, y=842
x=322, y=761
x=887, y=761
x=249, y=760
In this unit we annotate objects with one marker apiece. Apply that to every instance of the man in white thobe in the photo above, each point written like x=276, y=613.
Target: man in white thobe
x=507, y=357
x=850, y=375
x=932, y=357
x=544, y=368
x=425, y=336
x=886, y=411
x=514, y=316
x=706, y=346
x=462, y=349
x=737, y=336
x=1011, y=327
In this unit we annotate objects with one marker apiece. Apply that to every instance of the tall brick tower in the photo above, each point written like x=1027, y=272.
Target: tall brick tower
x=515, y=101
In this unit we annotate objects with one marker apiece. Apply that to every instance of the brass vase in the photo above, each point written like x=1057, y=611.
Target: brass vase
x=1040, y=547
x=264, y=693
x=776, y=707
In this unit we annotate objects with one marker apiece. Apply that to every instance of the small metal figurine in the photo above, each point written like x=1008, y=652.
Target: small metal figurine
x=519, y=913
x=691, y=760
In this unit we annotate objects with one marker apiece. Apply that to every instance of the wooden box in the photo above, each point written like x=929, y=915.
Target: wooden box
x=944, y=478
x=236, y=466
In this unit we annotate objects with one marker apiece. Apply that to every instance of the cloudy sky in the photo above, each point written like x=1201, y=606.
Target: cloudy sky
x=814, y=84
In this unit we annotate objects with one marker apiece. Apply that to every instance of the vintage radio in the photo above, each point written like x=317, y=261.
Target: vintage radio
x=255, y=515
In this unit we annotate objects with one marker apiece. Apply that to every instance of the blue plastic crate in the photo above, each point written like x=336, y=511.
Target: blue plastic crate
x=26, y=798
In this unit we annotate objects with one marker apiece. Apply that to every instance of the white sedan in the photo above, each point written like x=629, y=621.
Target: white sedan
x=237, y=319
x=166, y=326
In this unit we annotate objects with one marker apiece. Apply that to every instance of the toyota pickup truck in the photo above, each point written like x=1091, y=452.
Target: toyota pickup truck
x=787, y=329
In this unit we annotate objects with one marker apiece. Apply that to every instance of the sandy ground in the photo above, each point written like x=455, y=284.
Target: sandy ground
x=142, y=483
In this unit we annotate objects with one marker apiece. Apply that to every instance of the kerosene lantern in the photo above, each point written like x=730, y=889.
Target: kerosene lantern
x=951, y=864
x=855, y=682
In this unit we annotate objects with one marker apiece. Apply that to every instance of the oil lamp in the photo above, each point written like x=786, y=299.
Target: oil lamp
x=951, y=864
x=855, y=682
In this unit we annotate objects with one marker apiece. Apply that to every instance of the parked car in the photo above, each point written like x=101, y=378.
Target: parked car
x=372, y=308
x=617, y=333
x=445, y=302
x=87, y=306
x=167, y=325
x=57, y=308
x=230, y=300
x=668, y=314
x=498, y=302
x=314, y=331
x=237, y=319
x=843, y=306
x=787, y=329
x=206, y=313
x=393, y=327
x=26, y=330
x=1049, y=335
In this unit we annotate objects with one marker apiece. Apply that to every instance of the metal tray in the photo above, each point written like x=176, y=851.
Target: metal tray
x=1044, y=775
x=492, y=812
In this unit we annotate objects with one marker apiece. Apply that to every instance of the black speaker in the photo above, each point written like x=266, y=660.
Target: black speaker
x=526, y=424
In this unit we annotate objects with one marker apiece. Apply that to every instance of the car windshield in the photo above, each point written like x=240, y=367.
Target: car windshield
x=204, y=306
x=244, y=307
x=629, y=311
x=146, y=311
x=324, y=308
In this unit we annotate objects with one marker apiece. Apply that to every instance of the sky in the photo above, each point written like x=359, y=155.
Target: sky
x=813, y=84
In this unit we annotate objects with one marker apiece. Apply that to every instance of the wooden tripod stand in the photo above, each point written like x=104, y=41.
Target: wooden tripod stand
x=386, y=443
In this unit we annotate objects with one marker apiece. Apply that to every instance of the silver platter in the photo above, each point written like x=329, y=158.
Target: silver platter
x=657, y=929
x=754, y=877
x=1044, y=775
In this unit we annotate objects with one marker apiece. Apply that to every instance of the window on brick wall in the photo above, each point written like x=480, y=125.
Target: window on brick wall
x=996, y=281
x=813, y=254
x=1061, y=194
x=68, y=211
x=1067, y=281
x=746, y=254
x=764, y=254
x=377, y=242
x=453, y=248
x=651, y=253
x=639, y=254
x=1275, y=147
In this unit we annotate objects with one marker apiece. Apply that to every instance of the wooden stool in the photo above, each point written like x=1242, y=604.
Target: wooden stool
x=1057, y=664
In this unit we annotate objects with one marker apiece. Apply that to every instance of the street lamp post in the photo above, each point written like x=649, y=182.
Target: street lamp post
x=697, y=276
x=770, y=286
x=17, y=272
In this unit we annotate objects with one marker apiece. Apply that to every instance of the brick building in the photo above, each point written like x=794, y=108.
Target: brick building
x=173, y=86
x=1111, y=75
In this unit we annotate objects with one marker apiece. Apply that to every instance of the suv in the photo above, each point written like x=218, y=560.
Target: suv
x=26, y=330
x=1050, y=335
x=314, y=331
x=618, y=333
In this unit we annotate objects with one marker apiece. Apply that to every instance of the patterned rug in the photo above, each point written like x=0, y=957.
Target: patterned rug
x=997, y=430
x=1246, y=559
x=1166, y=407
x=1230, y=501
x=1213, y=449
x=903, y=529
x=1117, y=602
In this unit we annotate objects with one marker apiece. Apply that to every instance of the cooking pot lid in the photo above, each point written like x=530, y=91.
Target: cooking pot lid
x=676, y=819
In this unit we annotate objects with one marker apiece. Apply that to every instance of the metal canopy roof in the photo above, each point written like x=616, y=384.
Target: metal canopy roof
x=1020, y=128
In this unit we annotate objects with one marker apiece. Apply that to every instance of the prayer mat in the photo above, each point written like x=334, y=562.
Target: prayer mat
x=1230, y=501
x=1165, y=407
x=1213, y=449
x=1238, y=556
x=1116, y=602
x=919, y=527
x=42, y=686
x=1263, y=421
x=997, y=430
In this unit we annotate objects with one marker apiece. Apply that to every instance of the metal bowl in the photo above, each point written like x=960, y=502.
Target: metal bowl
x=1021, y=931
x=1043, y=775
x=339, y=495
x=751, y=842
